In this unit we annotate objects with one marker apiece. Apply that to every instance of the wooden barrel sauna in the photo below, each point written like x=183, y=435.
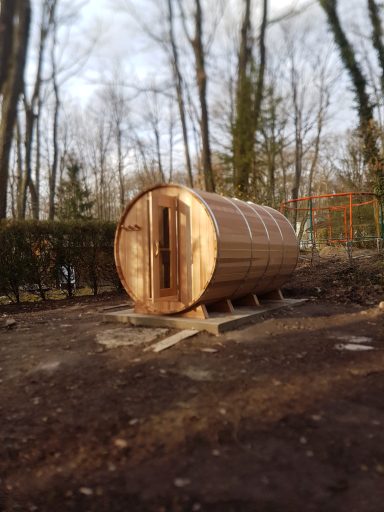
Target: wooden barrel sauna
x=177, y=248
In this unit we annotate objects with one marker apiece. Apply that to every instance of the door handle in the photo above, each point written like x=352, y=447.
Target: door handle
x=157, y=245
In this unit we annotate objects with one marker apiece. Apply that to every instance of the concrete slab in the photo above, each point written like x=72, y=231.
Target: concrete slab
x=216, y=324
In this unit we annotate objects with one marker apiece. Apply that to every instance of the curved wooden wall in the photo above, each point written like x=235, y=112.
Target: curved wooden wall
x=226, y=249
x=257, y=248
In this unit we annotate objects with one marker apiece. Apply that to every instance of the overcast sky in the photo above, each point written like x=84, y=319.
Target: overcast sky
x=120, y=42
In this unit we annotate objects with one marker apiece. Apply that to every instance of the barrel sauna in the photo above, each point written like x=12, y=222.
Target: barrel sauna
x=179, y=250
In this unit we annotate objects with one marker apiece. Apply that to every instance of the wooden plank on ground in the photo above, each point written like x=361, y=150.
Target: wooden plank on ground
x=116, y=306
x=172, y=340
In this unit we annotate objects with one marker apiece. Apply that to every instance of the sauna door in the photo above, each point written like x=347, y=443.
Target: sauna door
x=164, y=247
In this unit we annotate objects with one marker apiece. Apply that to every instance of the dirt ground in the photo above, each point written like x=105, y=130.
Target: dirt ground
x=285, y=415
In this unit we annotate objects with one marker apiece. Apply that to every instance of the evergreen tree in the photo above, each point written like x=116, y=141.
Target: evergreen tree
x=73, y=196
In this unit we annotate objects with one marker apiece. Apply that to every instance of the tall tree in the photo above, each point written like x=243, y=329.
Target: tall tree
x=178, y=81
x=377, y=37
x=196, y=41
x=32, y=109
x=249, y=95
x=270, y=144
x=63, y=66
x=244, y=127
x=262, y=65
x=15, y=16
x=168, y=41
x=367, y=123
x=298, y=119
x=52, y=178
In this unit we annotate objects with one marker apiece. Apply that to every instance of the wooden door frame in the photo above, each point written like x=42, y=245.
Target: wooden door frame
x=159, y=200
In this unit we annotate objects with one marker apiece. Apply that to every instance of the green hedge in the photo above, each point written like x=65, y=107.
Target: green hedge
x=32, y=254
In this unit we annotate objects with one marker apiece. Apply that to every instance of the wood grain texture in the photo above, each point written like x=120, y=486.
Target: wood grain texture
x=220, y=249
x=137, y=254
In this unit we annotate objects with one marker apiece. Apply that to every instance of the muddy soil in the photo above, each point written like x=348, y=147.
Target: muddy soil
x=286, y=414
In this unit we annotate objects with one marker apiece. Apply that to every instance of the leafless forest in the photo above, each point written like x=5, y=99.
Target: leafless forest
x=260, y=99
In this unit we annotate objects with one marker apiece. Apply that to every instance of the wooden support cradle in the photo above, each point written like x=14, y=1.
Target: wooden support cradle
x=229, y=306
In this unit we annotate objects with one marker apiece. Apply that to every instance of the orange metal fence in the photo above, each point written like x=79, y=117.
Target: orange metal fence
x=336, y=218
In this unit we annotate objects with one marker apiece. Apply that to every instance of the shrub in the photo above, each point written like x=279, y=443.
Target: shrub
x=33, y=253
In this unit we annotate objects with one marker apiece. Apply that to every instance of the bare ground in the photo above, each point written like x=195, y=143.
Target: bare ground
x=279, y=416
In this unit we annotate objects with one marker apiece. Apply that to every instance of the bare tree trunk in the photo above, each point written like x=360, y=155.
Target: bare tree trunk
x=38, y=158
x=248, y=101
x=284, y=169
x=171, y=137
x=120, y=167
x=102, y=146
x=274, y=141
x=201, y=78
x=32, y=115
x=7, y=13
x=13, y=190
x=19, y=156
x=158, y=152
x=26, y=177
x=16, y=39
x=201, y=81
x=101, y=197
x=55, y=160
x=297, y=113
x=272, y=166
x=142, y=154
x=323, y=103
x=179, y=91
x=260, y=84
x=262, y=63
x=243, y=133
x=315, y=157
x=53, y=171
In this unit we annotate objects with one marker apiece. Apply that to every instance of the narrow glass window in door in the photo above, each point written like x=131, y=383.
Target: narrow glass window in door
x=165, y=249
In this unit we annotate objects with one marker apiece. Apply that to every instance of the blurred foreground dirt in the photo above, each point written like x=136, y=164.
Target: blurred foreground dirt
x=284, y=415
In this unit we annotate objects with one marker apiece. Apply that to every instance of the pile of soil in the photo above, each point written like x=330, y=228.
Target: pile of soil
x=337, y=280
